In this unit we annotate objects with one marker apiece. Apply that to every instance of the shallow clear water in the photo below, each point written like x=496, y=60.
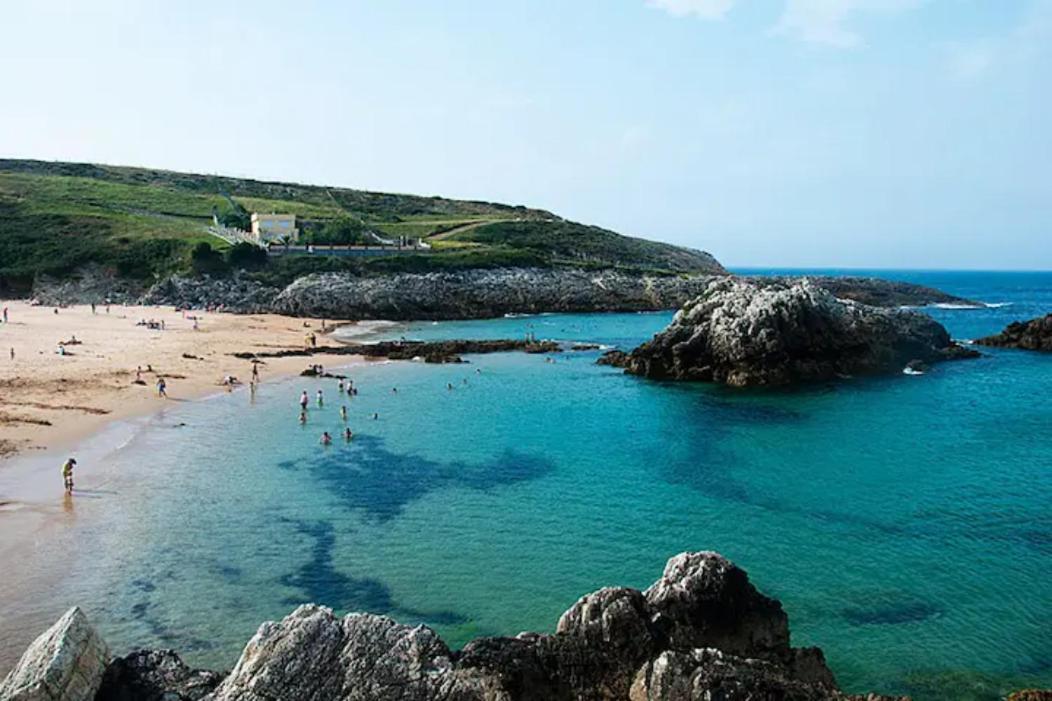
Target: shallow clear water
x=903, y=522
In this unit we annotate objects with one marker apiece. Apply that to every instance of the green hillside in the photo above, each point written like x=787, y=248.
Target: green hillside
x=56, y=217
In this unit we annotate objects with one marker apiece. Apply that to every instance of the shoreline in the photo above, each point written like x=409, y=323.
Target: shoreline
x=50, y=401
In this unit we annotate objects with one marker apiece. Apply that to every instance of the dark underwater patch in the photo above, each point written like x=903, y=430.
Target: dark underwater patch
x=368, y=477
x=890, y=612
x=320, y=582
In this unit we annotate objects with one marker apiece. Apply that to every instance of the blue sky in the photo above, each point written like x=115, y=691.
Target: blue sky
x=867, y=133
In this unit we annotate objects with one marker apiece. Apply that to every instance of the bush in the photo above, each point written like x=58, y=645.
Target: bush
x=246, y=256
x=207, y=261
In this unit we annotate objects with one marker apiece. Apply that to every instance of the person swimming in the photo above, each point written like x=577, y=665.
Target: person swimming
x=326, y=439
x=375, y=416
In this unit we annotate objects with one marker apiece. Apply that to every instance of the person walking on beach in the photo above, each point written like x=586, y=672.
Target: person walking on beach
x=5, y=315
x=162, y=388
x=67, y=474
x=304, y=400
x=93, y=309
x=255, y=372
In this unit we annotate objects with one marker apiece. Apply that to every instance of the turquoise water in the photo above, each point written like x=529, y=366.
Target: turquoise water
x=903, y=522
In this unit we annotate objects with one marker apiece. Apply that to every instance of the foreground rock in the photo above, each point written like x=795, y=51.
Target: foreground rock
x=702, y=631
x=741, y=333
x=1035, y=334
x=155, y=675
x=65, y=663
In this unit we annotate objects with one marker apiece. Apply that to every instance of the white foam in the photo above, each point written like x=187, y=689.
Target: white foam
x=911, y=371
x=957, y=305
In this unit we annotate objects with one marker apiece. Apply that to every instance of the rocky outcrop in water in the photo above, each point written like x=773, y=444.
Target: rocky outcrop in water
x=743, y=334
x=66, y=663
x=1035, y=335
x=702, y=631
x=476, y=294
x=429, y=351
x=877, y=292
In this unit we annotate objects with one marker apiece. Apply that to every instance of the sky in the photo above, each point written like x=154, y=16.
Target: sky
x=843, y=133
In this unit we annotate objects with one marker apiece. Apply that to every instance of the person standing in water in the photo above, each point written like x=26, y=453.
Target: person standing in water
x=304, y=400
x=321, y=399
x=343, y=413
x=347, y=434
x=326, y=439
x=67, y=474
x=303, y=416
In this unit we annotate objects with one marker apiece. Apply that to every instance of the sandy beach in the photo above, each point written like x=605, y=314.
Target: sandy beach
x=48, y=400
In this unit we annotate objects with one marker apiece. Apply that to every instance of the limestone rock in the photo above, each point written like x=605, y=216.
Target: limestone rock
x=313, y=654
x=66, y=663
x=741, y=334
x=1035, y=335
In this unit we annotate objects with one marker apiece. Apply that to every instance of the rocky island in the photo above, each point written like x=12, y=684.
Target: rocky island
x=1035, y=335
x=743, y=333
x=701, y=631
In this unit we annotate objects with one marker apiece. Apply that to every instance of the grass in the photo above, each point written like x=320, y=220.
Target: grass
x=56, y=217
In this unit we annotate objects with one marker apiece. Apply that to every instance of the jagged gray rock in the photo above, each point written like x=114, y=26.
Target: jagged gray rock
x=1035, y=335
x=486, y=293
x=65, y=663
x=155, y=675
x=702, y=631
x=741, y=333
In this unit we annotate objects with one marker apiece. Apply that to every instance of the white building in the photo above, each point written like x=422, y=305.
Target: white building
x=270, y=228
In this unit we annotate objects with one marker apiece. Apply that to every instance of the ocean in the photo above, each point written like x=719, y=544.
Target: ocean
x=904, y=522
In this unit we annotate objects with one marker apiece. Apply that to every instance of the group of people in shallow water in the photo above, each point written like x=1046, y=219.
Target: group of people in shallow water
x=344, y=388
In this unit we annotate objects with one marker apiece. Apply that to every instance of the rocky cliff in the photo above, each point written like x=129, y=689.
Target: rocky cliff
x=741, y=333
x=701, y=631
x=1035, y=334
x=485, y=293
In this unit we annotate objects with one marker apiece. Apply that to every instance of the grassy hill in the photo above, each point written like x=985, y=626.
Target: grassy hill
x=141, y=223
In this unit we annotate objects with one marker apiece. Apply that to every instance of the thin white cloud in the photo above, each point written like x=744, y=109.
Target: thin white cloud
x=705, y=9
x=827, y=21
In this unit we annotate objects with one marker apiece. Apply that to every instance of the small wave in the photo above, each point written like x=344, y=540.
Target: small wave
x=958, y=305
x=996, y=305
x=911, y=371
x=514, y=315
